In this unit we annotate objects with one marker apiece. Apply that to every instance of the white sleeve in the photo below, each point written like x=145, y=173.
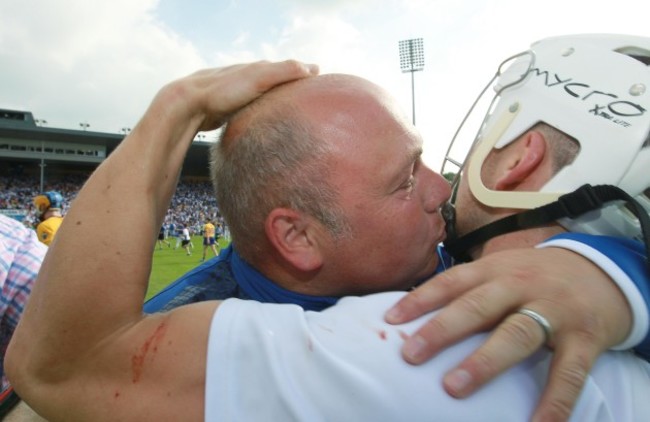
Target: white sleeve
x=641, y=319
x=278, y=363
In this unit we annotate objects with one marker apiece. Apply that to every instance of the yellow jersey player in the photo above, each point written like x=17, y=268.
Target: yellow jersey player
x=48, y=206
x=209, y=240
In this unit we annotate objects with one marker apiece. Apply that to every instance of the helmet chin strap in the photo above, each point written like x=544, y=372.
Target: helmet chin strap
x=572, y=205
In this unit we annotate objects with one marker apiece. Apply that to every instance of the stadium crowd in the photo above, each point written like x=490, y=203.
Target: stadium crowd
x=192, y=204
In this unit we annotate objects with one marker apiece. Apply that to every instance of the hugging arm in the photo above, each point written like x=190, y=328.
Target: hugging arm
x=586, y=310
x=83, y=349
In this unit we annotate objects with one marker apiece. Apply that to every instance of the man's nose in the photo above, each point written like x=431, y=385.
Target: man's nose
x=436, y=190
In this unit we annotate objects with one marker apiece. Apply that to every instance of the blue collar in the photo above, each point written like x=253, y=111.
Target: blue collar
x=445, y=261
x=262, y=289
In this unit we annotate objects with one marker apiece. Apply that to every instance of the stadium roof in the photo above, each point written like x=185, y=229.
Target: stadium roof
x=20, y=128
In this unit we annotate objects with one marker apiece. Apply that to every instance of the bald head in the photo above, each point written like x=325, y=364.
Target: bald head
x=273, y=154
x=322, y=102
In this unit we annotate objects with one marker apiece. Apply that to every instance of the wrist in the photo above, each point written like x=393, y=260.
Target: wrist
x=619, y=275
x=178, y=106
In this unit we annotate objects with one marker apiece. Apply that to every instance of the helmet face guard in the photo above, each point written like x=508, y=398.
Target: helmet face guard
x=463, y=143
x=593, y=88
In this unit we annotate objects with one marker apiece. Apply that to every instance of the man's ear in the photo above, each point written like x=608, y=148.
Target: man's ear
x=522, y=160
x=293, y=236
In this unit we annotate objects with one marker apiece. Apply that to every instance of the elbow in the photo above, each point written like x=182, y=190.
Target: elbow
x=24, y=373
x=15, y=366
x=25, y=382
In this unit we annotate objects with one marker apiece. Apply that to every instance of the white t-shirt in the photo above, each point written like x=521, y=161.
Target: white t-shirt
x=186, y=234
x=278, y=363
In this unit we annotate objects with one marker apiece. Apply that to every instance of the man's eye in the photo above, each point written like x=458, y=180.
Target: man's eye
x=410, y=184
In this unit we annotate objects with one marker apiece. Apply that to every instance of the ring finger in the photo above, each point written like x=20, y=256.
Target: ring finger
x=521, y=333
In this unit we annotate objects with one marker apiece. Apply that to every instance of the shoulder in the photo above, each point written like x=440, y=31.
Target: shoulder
x=348, y=347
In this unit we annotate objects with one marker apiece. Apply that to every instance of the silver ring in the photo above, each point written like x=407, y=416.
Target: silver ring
x=540, y=320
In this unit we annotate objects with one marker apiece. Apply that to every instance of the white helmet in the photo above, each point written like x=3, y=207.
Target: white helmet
x=594, y=88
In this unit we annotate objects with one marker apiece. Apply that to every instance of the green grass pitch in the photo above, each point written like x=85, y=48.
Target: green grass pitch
x=169, y=264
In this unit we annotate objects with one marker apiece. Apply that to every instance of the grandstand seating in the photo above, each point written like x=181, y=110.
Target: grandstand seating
x=36, y=158
x=191, y=204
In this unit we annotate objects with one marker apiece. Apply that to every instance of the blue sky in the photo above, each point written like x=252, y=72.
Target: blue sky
x=101, y=62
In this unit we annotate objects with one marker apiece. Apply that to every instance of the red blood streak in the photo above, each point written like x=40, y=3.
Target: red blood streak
x=137, y=361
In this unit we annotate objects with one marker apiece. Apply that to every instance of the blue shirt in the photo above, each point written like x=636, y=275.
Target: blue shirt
x=226, y=276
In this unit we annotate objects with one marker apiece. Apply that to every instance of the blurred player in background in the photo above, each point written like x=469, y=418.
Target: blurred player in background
x=209, y=240
x=48, y=206
x=186, y=240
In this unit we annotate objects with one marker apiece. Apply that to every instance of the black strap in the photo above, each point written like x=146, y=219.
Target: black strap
x=572, y=205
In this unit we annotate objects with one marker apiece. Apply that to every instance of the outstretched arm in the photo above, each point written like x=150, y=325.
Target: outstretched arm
x=587, y=312
x=83, y=350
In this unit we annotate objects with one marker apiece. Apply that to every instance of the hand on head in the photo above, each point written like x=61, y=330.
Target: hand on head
x=212, y=95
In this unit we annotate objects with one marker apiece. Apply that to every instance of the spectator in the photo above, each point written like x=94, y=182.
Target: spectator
x=49, y=207
x=21, y=255
x=191, y=202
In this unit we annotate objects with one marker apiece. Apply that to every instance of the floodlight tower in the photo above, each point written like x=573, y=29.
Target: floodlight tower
x=411, y=59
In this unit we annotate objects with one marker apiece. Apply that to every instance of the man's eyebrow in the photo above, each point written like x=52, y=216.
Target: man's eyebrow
x=410, y=159
x=414, y=155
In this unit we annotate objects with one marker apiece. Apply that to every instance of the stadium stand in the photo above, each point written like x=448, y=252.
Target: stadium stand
x=36, y=158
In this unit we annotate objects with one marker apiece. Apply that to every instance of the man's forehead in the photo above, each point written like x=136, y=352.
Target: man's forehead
x=412, y=148
x=346, y=111
x=380, y=158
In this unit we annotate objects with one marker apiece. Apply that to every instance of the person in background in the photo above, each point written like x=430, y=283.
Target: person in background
x=186, y=239
x=209, y=240
x=21, y=255
x=218, y=232
x=175, y=233
x=48, y=207
x=161, y=238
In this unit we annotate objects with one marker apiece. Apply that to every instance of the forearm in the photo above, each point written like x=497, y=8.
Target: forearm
x=94, y=278
x=83, y=330
x=625, y=262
